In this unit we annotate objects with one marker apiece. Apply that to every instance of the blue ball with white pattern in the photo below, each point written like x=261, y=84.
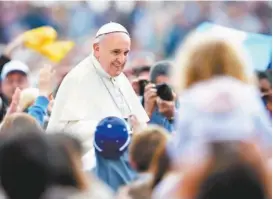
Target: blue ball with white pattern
x=111, y=137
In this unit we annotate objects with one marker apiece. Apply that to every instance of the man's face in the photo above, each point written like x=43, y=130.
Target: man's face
x=162, y=79
x=12, y=81
x=265, y=84
x=112, y=52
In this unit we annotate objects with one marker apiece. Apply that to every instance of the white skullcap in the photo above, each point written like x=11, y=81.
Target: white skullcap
x=110, y=28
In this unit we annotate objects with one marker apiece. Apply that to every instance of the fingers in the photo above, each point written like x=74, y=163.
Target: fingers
x=46, y=80
x=150, y=92
x=16, y=96
x=149, y=87
x=14, y=102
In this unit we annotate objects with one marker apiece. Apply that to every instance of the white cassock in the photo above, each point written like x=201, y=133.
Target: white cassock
x=87, y=95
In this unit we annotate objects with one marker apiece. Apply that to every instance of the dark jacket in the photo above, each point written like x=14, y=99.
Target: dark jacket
x=4, y=103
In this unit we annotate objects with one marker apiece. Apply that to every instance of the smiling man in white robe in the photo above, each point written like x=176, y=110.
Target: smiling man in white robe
x=96, y=88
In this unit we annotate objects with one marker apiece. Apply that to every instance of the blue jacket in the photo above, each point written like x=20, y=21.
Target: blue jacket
x=39, y=109
x=159, y=119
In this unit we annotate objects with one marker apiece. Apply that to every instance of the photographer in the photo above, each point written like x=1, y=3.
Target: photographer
x=266, y=90
x=159, y=99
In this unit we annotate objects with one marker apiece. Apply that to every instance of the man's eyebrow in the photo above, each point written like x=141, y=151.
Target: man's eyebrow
x=119, y=50
x=116, y=50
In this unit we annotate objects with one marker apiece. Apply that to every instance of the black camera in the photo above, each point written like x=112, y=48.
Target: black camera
x=142, y=84
x=164, y=91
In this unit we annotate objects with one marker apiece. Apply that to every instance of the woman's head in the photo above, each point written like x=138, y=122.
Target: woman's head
x=204, y=56
x=18, y=123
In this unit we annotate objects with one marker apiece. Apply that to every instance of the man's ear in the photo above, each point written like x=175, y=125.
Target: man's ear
x=96, y=49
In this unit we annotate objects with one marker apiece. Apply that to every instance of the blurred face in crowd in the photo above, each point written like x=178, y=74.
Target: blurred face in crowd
x=162, y=79
x=144, y=75
x=265, y=85
x=112, y=51
x=12, y=81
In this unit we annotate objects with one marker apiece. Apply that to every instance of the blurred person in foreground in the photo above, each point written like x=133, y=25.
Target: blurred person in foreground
x=30, y=176
x=218, y=92
x=111, y=143
x=46, y=167
x=18, y=123
x=151, y=165
x=97, y=88
x=68, y=178
x=218, y=142
x=159, y=100
x=229, y=169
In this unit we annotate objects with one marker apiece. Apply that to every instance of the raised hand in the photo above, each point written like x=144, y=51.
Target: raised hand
x=13, y=108
x=46, y=81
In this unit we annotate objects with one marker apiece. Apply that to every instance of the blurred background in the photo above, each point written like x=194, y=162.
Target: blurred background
x=156, y=27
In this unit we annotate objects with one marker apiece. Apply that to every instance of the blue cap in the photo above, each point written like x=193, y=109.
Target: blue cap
x=111, y=137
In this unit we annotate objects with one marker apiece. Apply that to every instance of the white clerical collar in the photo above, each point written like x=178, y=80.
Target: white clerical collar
x=99, y=69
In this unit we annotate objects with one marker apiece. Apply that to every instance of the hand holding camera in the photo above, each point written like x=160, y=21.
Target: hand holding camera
x=163, y=96
x=150, y=95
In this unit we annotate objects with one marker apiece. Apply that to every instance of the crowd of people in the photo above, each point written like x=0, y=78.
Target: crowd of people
x=196, y=125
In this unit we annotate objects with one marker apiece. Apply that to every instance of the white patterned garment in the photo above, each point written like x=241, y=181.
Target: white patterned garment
x=113, y=87
x=219, y=109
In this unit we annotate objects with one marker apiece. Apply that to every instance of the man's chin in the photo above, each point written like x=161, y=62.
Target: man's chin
x=116, y=73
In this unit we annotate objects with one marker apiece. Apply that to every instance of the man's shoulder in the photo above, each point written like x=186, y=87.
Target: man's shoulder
x=80, y=69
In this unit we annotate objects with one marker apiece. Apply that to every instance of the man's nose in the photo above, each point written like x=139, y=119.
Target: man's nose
x=15, y=84
x=122, y=58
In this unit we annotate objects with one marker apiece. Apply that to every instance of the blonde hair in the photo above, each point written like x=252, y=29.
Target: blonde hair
x=207, y=55
x=27, y=97
x=19, y=123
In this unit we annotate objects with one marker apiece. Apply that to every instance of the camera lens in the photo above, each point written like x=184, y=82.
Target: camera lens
x=164, y=92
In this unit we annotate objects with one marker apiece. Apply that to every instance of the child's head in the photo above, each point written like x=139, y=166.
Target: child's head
x=112, y=162
x=111, y=137
x=144, y=146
